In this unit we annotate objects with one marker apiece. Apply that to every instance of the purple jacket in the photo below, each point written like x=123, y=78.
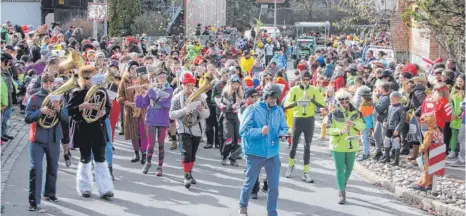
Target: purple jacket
x=157, y=108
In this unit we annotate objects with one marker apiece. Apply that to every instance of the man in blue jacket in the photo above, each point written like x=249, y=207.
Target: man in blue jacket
x=43, y=141
x=262, y=128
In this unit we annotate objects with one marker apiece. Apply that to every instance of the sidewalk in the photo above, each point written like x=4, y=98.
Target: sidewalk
x=13, y=148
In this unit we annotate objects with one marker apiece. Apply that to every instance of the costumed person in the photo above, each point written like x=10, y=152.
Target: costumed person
x=190, y=125
x=43, y=141
x=133, y=116
x=343, y=124
x=216, y=96
x=433, y=135
x=303, y=121
x=90, y=138
x=157, y=98
x=230, y=101
x=456, y=97
x=263, y=126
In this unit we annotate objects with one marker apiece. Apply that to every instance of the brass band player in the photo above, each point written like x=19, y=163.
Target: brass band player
x=90, y=138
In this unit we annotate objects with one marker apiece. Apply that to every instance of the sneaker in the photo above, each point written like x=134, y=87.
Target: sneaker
x=457, y=163
x=243, y=211
x=32, y=207
x=187, y=182
x=121, y=133
x=86, y=194
x=224, y=162
x=451, y=155
x=9, y=137
x=363, y=157
x=289, y=171
x=208, y=146
x=52, y=198
x=146, y=167
x=265, y=187
x=307, y=178
x=342, y=195
x=193, y=181
x=254, y=196
x=4, y=139
x=67, y=159
x=108, y=195
x=158, y=171
x=174, y=145
x=234, y=163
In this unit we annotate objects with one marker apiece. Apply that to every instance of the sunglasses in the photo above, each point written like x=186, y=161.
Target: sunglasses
x=254, y=96
x=306, y=79
x=48, y=81
x=344, y=100
x=87, y=78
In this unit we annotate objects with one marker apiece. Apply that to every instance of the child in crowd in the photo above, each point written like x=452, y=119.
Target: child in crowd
x=330, y=102
x=395, y=123
x=366, y=108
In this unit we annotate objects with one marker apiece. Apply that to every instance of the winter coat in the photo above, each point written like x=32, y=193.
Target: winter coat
x=455, y=101
x=37, y=134
x=366, y=109
x=85, y=133
x=157, y=108
x=177, y=112
x=336, y=122
x=417, y=96
x=246, y=64
x=6, y=77
x=254, y=119
x=3, y=93
x=441, y=108
x=381, y=108
x=396, y=118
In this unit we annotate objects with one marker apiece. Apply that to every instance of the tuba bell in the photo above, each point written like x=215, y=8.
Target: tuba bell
x=73, y=61
x=49, y=121
x=98, y=97
x=191, y=119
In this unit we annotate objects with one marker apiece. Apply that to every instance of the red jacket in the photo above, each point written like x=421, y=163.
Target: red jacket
x=338, y=83
x=442, y=110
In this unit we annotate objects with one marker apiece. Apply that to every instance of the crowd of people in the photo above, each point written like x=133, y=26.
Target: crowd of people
x=236, y=95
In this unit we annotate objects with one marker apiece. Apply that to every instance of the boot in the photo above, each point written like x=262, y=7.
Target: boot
x=397, y=158
x=83, y=177
x=377, y=155
x=386, y=158
x=110, y=168
x=187, y=180
x=415, y=152
x=143, y=158
x=174, y=145
x=103, y=180
x=146, y=167
x=136, y=157
x=342, y=195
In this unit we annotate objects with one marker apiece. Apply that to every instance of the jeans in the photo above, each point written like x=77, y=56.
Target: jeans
x=36, y=155
x=109, y=147
x=254, y=165
x=365, y=140
x=461, y=140
x=6, y=115
x=379, y=134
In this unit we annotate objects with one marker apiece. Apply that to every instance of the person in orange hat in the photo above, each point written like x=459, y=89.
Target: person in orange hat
x=190, y=124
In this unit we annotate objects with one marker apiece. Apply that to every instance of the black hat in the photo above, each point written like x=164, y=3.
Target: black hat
x=10, y=47
x=6, y=56
x=386, y=74
x=116, y=46
x=306, y=74
x=249, y=91
x=87, y=46
x=132, y=63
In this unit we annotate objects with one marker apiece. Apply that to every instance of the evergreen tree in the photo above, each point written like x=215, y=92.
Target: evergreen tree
x=122, y=14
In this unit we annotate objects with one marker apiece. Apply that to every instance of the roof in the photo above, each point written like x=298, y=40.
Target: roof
x=20, y=0
x=269, y=1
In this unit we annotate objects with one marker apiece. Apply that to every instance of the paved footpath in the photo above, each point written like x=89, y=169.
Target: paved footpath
x=217, y=191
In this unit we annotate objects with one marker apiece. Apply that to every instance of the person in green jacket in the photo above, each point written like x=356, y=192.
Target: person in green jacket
x=342, y=127
x=303, y=121
x=456, y=97
x=3, y=94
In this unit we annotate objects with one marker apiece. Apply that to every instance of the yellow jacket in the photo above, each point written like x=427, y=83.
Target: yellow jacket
x=246, y=64
x=297, y=92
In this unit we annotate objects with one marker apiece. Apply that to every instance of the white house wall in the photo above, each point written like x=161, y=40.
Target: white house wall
x=205, y=12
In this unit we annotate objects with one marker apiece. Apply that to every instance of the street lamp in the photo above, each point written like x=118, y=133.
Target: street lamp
x=275, y=19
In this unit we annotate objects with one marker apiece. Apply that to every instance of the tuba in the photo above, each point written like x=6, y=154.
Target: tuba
x=192, y=118
x=98, y=97
x=49, y=121
x=73, y=61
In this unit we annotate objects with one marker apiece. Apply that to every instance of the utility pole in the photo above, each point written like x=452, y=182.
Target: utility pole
x=94, y=28
x=106, y=21
x=275, y=19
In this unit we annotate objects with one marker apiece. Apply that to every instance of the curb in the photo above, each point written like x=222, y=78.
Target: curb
x=408, y=196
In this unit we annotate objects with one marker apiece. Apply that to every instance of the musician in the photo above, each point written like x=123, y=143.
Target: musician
x=133, y=118
x=43, y=141
x=190, y=125
x=216, y=96
x=303, y=121
x=157, y=117
x=90, y=137
x=230, y=103
x=100, y=63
